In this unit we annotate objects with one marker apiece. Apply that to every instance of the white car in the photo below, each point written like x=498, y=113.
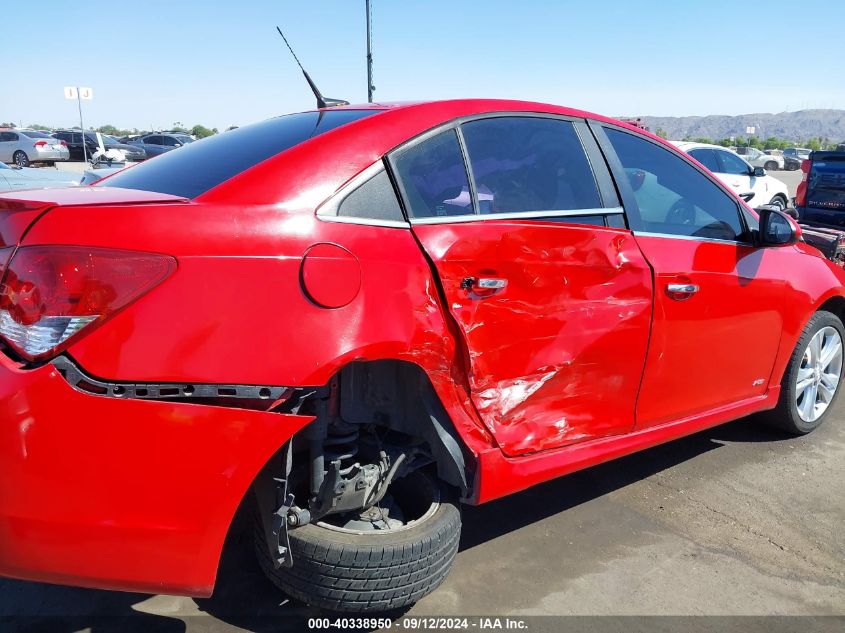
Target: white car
x=22, y=147
x=756, y=158
x=750, y=183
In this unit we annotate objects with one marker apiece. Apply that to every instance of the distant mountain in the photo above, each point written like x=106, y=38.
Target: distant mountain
x=793, y=126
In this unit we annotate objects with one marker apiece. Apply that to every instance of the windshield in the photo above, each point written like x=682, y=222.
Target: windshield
x=183, y=138
x=200, y=166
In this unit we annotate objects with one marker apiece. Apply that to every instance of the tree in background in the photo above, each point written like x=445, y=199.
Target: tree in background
x=7, y=125
x=814, y=144
x=200, y=131
x=660, y=132
x=39, y=127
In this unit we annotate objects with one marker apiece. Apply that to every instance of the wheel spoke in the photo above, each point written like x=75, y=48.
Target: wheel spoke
x=808, y=404
x=801, y=386
x=831, y=352
x=830, y=381
x=825, y=392
x=814, y=348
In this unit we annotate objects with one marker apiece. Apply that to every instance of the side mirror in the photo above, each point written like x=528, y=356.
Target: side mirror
x=759, y=172
x=776, y=228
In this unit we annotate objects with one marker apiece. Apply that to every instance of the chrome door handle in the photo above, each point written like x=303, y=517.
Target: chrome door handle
x=681, y=292
x=484, y=283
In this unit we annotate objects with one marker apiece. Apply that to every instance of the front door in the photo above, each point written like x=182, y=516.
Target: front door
x=718, y=300
x=553, y=304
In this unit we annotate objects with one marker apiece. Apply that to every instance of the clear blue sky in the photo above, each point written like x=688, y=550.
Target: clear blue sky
x=216, y=62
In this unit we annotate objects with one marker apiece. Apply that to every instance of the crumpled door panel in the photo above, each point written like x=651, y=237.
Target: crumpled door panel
x=557, y=354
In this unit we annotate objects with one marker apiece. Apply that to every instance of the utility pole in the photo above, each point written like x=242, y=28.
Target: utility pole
x=81, y=125
x=370, y=86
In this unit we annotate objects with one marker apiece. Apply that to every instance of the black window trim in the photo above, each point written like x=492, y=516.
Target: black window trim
x=327, y=211
x=626, y=194
x=601, y=173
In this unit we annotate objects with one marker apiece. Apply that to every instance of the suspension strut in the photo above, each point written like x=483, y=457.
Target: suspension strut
x=328, y=411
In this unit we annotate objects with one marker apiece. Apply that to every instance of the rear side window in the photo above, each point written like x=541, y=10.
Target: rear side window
x=374, y=200
x=706, y=157
x=525, y=164
x=731, y=163
x=198, y=167
x=672, y=196
x=434, y=177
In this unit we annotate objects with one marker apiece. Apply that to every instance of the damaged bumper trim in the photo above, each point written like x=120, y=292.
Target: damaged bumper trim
x=81, y=381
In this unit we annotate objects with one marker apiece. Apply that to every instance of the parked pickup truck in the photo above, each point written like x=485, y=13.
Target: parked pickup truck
x=820, y=203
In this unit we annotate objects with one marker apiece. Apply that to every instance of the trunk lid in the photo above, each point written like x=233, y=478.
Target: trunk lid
x=19, y=210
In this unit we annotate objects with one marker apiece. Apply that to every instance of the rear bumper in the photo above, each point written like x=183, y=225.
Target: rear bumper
x=121, y=494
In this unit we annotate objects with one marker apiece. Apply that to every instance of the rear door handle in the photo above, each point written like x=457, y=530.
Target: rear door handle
x=483, y=283
x=681, y=292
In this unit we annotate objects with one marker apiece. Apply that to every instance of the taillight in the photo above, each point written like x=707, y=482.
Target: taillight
x=40, y=143
x=63, y=143
x=51, y=294
x=801, y=191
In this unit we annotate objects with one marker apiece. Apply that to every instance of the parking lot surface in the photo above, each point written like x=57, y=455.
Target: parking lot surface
x=735, y=520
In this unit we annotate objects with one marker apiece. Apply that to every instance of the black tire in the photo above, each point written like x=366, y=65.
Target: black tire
x=367, y=571
x=785, y=415
x=778, y=201
x=771, y=166
x=20, y=159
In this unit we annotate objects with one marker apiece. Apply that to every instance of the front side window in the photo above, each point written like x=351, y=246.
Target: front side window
x=672, y=196
x=732, y=164
x=525, y=164
x=434, y=177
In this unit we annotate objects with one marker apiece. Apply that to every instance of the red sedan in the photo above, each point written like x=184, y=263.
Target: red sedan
x=354, y=319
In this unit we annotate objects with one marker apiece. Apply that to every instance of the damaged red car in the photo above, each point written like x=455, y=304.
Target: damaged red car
x=352, y=320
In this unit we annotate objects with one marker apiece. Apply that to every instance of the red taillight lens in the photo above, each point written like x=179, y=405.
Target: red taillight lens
x=63, y=143
x=801, y=191
x=40, y=143
x=50, y=294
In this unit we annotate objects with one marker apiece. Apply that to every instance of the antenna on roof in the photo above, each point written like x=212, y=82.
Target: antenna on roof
x=322, y=102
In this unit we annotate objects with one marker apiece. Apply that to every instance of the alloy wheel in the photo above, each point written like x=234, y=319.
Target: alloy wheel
x=818, y=376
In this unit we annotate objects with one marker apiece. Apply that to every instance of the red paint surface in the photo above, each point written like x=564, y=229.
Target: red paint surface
x=121, y=494
x=556, y=355
x=562, y=370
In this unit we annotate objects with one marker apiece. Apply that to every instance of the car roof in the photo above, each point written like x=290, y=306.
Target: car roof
x=688, y=145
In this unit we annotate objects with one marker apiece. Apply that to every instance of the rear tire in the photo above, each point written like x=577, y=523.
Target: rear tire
x=20, y=158
x=790, y=414
x=368, y=571
x=770, y=166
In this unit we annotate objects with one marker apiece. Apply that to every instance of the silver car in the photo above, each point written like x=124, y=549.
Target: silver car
x=23, y=147
x=15, y=178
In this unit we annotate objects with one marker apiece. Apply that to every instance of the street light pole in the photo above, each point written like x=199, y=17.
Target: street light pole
x=370, y=86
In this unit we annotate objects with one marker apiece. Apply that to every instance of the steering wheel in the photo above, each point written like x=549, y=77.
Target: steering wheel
x=682, y=212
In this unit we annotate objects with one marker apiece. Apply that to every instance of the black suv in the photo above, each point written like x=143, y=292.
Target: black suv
x=73, y=138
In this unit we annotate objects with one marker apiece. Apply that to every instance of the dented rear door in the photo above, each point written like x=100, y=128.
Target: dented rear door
x=553, y=303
